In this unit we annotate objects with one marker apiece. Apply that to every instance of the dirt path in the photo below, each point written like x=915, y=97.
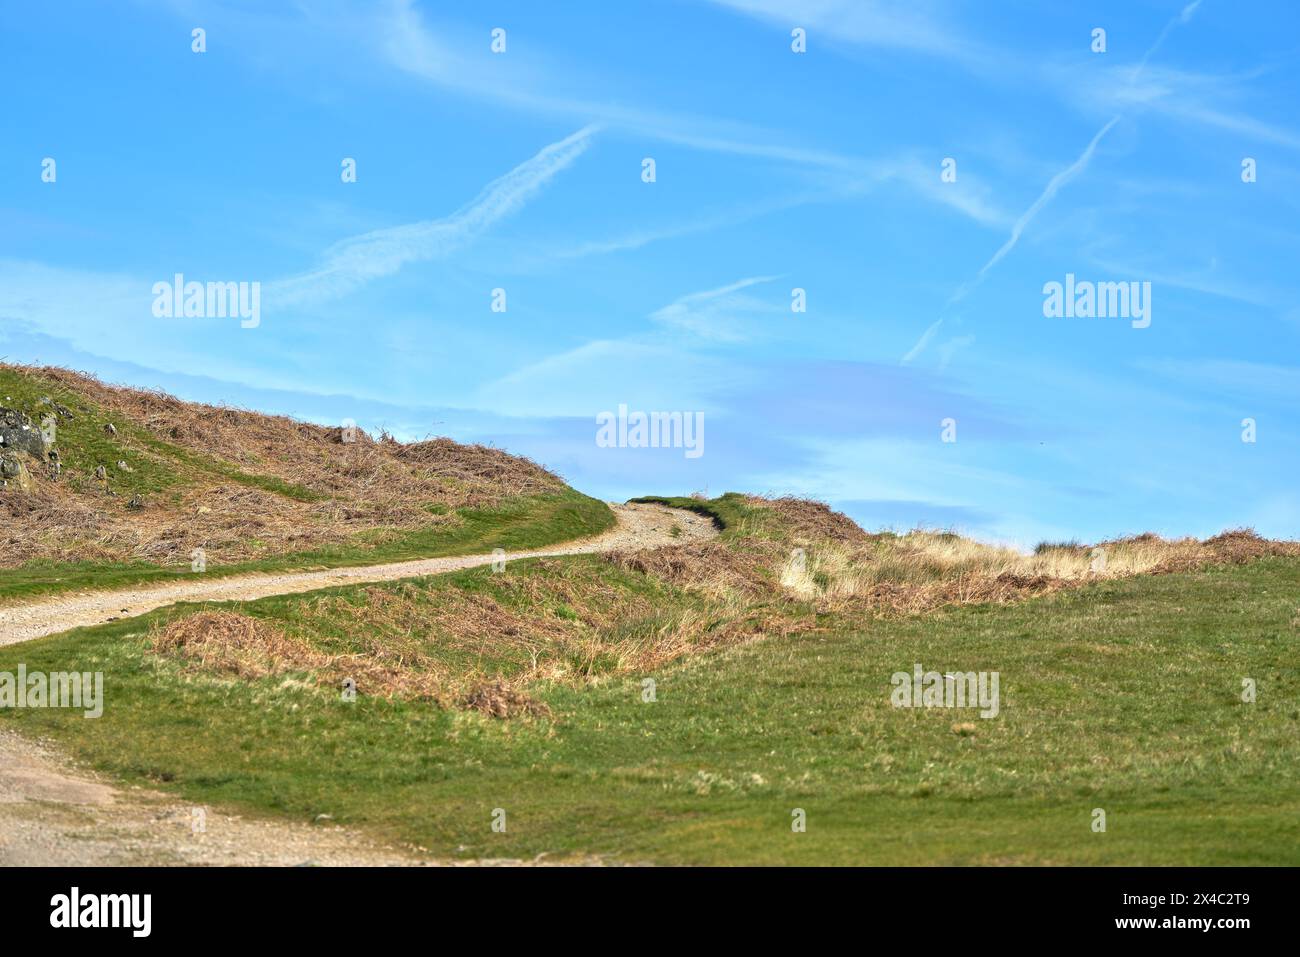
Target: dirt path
x=639, y=526
x=54, y=814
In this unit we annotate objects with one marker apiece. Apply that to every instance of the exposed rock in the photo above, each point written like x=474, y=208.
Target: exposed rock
x=13, y=472
x=18, y=434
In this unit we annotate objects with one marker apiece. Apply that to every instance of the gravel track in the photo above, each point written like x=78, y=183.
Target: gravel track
x=54, y=814
x=639, y=526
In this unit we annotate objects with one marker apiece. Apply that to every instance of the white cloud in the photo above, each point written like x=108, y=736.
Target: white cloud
x=924, y=341
x=111, y=315
x=526, y=83
x=920, y=26
x=951, y=348
x=78, y=305
x=718, y=314
x=968, y=196
x=1184, y=16
x=600, y=374
x=644, y=237
x=1202, y=99
x=1046, y=196
x=360, y=259
x=1251, y=293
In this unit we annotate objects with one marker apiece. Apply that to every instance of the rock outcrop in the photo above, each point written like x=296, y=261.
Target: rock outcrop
x=13, y=472
x=19, y=434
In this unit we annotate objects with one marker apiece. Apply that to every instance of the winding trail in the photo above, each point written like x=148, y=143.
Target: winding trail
x=53, y=813
x=639, y=526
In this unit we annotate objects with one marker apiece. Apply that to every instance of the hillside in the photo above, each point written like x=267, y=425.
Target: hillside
x=106, y=485
x=675, y=704
x=672, y=693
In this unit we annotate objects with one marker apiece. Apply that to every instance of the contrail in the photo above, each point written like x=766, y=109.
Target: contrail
x=1053, y=187
x=357, y=260
x=921, y=343
x=1183, y=17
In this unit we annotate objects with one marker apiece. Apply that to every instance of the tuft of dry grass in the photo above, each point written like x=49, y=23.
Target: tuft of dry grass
x=923, y=570
x=501, y=700
x=228, y=643
x=449, y=646
x=803, y=520
x=566, y=623
x=715, y=569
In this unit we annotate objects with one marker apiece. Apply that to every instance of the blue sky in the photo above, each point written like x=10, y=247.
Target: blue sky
x=775, y=170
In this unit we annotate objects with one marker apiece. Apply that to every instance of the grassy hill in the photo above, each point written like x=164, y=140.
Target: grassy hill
x=139, y=480
x=771, y=652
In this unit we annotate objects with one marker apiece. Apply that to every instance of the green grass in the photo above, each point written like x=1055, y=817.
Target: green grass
x=197, y=462
x=155, y=467
x=524, y=523
x=1124, y=695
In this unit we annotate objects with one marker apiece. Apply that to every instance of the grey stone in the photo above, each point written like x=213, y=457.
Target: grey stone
x=13, y=472
x=19, y=434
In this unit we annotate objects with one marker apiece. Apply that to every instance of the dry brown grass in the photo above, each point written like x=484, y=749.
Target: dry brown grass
x=231, y=644
x=378, y=486
x=502, y=700
x=803, y=520
x=315, y=456
x=229, y=522
x=450, y=646
x=565, y=623
x=815, y=555
x=715, y=569
x=468, y=649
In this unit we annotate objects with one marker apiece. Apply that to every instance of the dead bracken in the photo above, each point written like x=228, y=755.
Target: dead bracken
x=488, y=649
x=500, y=700
x=303, y=486
x=228, y=643
x=792, y=568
